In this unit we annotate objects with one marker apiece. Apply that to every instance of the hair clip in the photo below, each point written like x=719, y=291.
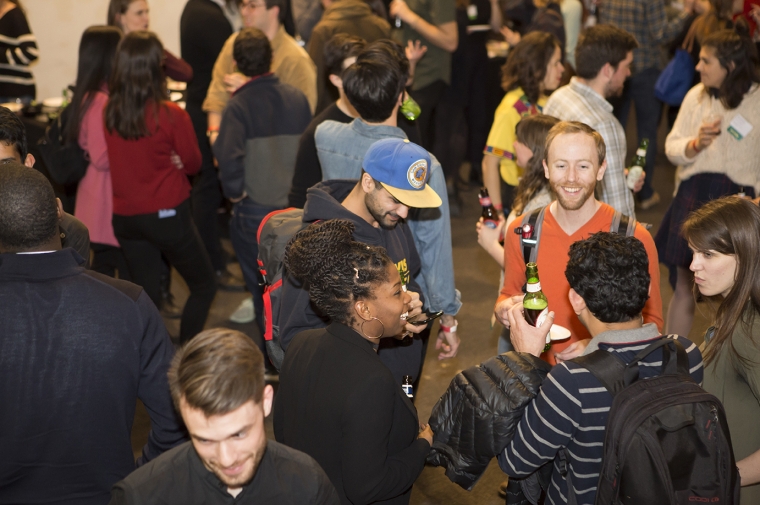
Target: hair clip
x=357, y=272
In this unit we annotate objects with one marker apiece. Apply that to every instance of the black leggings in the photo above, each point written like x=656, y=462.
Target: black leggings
x=145, y=236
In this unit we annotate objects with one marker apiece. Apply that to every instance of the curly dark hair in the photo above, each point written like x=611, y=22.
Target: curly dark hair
x=28, y=208
x=611, y=273
x=532, y=131
x=336, y=269
x=252, y=52
x=738, y=55
x=526, y=64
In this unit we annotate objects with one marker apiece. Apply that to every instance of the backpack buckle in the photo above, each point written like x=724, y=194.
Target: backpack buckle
x=525, y=231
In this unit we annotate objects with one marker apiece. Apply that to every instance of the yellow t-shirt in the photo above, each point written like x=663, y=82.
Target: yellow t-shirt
x=501, y=139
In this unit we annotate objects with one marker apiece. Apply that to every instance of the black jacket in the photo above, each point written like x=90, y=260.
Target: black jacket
x=340, y=405
x=296, y=313
x=477, y=415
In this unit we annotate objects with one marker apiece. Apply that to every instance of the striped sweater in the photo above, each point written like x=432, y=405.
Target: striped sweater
x=18, y=48
x=571, y=411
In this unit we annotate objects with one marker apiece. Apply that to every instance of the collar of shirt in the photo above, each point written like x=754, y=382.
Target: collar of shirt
x=586, y=91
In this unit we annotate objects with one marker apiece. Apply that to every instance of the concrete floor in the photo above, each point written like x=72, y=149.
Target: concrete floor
x=477, y=277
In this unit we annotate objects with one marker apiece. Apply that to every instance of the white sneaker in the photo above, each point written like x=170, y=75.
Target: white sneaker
x=244, y=313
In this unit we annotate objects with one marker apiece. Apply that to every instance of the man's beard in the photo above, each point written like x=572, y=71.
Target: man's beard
x=243, y=478
x=386, y=220
x=577, y=202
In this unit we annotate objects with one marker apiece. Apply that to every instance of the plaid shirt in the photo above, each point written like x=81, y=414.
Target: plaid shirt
x=578, y=102
x=647, y=21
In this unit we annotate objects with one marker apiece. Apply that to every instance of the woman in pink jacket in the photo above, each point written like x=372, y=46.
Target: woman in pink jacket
x=94, y=203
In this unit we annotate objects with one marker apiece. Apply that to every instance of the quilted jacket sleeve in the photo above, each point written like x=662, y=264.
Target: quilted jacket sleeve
x=477, y=415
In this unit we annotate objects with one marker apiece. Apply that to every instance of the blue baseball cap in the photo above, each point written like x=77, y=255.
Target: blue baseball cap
x=403, y=168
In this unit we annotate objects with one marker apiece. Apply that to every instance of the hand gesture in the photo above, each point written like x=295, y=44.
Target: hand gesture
x=232, y=82
x=399, y=9
x=527, y=338
x=414, y=51
x=572, y=351
x=513, y=38
x=709, y=130
x=502, y=308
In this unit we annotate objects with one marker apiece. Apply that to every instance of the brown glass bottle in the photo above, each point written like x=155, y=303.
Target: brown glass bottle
x=490, y=215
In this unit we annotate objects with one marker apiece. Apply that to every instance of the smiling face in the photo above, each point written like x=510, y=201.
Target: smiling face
x=710, y=69
x=714, y=272
x=230, y=445
x=384, y=208
x=390, y=302
x=554, y=71
x=137, y=17
x=572, y=168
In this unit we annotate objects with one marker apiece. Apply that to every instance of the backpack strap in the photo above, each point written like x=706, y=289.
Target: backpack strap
x=530, y=245
x=607, y=367
x=622, y=224
x=615, y=375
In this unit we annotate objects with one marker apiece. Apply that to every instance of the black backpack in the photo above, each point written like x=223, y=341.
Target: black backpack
x=66, y=162
x=666, y=441
x=274, y=233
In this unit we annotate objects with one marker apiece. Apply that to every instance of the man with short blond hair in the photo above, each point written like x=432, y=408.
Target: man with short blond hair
x=574, y=163
x=217, y=384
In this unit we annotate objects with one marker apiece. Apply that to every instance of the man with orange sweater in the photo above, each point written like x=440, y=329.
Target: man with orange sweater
x=575, y=162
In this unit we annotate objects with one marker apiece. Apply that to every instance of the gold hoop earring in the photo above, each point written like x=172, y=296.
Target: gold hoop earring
x=364, y=321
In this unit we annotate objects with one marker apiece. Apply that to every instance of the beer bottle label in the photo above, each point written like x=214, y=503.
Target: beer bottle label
x=533, y=287
x=485, y=201
x=641, y=152
x=540, y=320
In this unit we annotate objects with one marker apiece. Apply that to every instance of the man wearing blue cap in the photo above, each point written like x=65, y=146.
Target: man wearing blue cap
x=374, y=85
x=393, y=180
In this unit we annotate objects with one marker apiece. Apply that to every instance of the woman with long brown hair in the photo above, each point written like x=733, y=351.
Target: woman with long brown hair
x=152, y=149
x=533, y=69
x=723, y=236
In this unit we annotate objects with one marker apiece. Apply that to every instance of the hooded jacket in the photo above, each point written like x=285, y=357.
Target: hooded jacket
x=477, y=415
x=323, y=201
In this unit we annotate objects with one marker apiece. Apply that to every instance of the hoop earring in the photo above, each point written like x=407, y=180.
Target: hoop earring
x=364, y=321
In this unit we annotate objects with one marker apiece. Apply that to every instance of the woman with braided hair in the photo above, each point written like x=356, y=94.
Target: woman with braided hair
x=336, y=401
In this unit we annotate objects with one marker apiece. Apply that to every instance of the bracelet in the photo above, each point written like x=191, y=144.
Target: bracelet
x=450, y=329
x=210, y=131
x=695, y=145
x=498, y=206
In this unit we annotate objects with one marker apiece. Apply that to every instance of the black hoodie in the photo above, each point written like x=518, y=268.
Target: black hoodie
x=323, y=201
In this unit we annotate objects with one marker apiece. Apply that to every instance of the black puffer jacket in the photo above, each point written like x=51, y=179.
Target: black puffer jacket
x=477, y=415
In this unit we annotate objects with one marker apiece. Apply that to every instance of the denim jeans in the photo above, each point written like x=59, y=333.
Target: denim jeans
x=145, y=236
x=640, y=89
x=246, y=218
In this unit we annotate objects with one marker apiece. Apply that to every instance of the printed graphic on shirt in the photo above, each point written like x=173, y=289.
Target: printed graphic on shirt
x=403, y=271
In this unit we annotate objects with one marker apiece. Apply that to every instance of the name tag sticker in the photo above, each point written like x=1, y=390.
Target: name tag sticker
x=739, y=127
x=163, y=213
x=472, y=11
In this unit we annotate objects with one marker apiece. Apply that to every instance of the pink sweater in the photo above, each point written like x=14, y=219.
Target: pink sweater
x=94, y=204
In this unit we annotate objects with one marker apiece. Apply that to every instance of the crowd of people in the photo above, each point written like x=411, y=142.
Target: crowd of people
x=356, y=116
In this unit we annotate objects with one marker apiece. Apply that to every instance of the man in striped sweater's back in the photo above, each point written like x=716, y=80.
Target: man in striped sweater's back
x=609, y=280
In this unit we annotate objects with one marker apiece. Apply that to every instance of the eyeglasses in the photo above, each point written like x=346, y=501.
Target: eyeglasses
x=251, y=5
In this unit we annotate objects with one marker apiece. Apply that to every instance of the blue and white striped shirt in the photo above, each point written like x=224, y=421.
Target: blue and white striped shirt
x=571, y=411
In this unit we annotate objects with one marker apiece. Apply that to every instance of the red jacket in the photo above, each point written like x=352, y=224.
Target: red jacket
x=145, y=179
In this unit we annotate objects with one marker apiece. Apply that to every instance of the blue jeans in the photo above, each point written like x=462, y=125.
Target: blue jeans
x=244, y=225
x=640, y=89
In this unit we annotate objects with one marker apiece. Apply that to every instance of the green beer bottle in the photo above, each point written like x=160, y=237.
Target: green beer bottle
x=637, y=165
x=410, y=108
x=535, y=304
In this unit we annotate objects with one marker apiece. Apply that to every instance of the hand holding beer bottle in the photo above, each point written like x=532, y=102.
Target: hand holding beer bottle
x=535, y=304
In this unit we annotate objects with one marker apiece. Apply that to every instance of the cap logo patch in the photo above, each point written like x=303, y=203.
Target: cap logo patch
x=417, y=173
